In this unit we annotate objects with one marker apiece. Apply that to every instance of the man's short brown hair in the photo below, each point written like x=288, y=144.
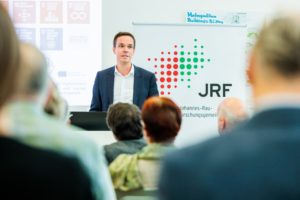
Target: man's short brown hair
x=123, y=34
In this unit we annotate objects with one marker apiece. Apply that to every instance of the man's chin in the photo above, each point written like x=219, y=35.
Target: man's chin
x=125, y=61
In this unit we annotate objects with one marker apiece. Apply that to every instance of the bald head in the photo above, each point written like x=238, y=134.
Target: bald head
x=33, y=75
x=230, y=112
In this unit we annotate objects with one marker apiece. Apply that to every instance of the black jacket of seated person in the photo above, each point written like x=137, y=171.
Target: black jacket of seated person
x=30, y=173
x=112, y=151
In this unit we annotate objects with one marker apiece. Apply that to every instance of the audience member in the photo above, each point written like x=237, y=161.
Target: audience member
x=29, y=124
x=231, y=111
x=125, y=122
x=260, y=159
x=56, y=105
x=26, y=172
x=30, y=173
x=162, y=120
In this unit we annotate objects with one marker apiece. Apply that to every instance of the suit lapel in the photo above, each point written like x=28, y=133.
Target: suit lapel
x=136, y=84
x=110, y=79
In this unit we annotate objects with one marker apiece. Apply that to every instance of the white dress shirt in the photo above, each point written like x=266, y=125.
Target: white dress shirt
x=123, y=86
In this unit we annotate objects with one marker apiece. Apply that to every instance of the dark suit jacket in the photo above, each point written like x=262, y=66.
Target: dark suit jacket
x=112, y=151
x=29, y=173
x=103, y=89
x=259, y=160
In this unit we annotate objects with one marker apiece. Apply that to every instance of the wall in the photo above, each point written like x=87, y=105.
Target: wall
x=119, y=15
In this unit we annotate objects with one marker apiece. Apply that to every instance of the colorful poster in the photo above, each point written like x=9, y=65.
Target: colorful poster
x=69, y=33
x=24, y=12
x=51, y=12
x=27, y=34
x=78, y=12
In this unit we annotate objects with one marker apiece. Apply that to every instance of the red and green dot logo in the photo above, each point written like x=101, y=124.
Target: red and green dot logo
x=179, y=66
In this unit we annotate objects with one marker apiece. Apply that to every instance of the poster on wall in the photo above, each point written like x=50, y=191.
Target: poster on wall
x=69, y=34
x=197, y=66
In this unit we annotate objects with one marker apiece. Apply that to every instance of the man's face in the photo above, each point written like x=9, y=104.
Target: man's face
x=124, y=49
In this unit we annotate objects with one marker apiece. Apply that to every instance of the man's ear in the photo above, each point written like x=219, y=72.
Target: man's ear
x=48, y=93
x=114, y=50
x=250, y=68
x=145, y=133
x=144, y=130
x=221, y=124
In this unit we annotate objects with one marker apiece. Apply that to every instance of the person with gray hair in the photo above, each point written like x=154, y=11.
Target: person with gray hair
x=124, y=120
x=29, y=123
x=259, y=159
x=231, y=111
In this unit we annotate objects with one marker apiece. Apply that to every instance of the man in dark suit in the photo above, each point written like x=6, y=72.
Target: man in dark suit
x=260, y=158
x=124, y=82
x=29, y=173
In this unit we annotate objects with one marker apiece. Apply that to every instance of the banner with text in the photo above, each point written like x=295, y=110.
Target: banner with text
x=197, y=66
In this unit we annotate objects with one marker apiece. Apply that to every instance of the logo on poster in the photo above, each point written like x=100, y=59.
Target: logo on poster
x=179, y=66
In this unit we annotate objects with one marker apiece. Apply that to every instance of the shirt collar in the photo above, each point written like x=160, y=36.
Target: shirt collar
x=131, y=72
x=277, y=101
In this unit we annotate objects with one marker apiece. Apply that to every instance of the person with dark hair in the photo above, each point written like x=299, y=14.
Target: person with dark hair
x=260, y=158
x=162, y=120
x=28, y=123
x=27, y=172
x=125, y=122
x=124, y=82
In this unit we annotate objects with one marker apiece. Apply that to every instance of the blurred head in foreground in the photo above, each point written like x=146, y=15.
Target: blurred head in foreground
x=9, y=57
